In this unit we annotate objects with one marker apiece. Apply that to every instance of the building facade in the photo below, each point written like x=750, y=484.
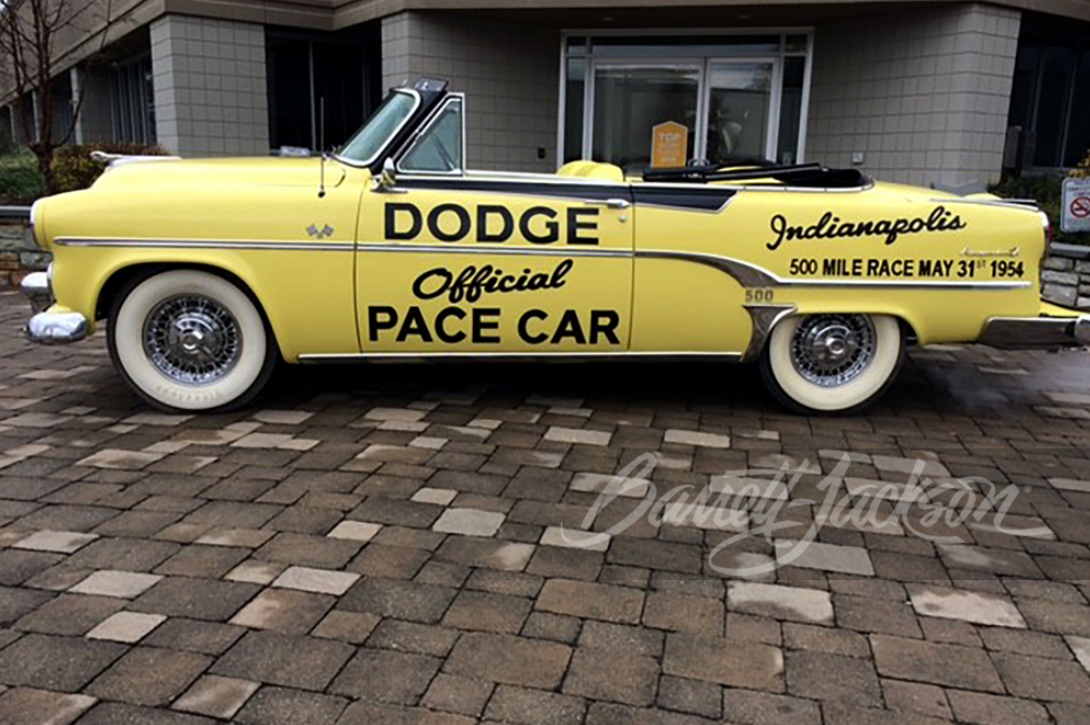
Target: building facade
x=946, y=94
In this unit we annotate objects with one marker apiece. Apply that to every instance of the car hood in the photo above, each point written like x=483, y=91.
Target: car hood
x=220, y=173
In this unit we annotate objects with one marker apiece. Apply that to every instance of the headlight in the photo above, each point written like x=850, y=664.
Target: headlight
x=37, y=227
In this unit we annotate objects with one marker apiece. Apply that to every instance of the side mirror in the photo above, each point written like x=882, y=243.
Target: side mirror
x=388, y=179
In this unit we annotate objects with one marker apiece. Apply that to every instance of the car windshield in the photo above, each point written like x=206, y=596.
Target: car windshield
x=383, y=124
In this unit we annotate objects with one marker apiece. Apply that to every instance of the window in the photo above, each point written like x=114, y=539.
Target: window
x=132, y=101
x=439, y=148
x=737, y=97
x=1050, y=99
x=306, y=68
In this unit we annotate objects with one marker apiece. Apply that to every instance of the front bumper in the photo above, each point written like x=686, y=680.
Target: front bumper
x=50, y=325
x=1027, y=333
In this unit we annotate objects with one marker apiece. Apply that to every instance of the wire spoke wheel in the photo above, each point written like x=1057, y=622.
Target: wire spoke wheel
x=192, y=339
x=832, y=362
x=832, y=350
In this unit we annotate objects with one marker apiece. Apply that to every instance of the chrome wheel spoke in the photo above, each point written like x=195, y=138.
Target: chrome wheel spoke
x=192, y=339
x=833, y=350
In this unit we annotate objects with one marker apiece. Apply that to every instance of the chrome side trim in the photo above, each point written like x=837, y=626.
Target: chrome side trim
x=409, y=357
x=750, y=275
x=763, y=319
x=1024, y=333
x=481, y=249
x=56, y=328
x=208, y=244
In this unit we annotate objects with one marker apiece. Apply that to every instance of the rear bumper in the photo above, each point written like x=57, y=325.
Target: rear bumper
x=50, y=325
x=1027, y=333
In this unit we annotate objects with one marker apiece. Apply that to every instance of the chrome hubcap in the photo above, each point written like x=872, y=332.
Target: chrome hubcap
x=832, y=350
x=192, y=339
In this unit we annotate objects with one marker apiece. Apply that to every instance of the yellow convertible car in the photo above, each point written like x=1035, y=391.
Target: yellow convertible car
x=210, y=271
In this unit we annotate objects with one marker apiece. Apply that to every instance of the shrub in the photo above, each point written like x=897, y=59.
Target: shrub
x=1047, y=191
x=73, y=167
x=20, y=180
x=1082, y=171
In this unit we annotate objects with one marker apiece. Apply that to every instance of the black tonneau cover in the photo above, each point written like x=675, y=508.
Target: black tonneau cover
x=800, y=175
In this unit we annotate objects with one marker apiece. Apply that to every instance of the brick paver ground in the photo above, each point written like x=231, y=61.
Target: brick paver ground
x=393, y=545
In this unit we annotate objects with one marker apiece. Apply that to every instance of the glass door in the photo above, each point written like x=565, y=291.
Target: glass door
x=630, y=100
x=740, y=111
x=730, y=109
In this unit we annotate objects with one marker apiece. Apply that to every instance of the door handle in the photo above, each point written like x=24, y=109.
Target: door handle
x=610, y=203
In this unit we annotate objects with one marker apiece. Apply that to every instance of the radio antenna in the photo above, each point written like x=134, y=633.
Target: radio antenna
x=321, y=146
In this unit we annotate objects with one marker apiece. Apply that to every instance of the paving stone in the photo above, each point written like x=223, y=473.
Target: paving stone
x=461, y=695
x=415, y=638
x=283, y=706
x=826, y=557
x=283, y=610
x=916, y=697
x=27, y=706
x=691, y=696
x=69, y=614
x=211, y=638
x=355, y=530
x=826, y=677
x=386, y=676
x=577, y=435
x=149, y=676
x=322, y=581
x=195, y=598
x=780, y=602
x=256, y=572
x=306, y=663
x=534, y=707
x=610, y=484
x=503, y=555
x=940, y=664
x=653, y=554
x=510, y=660
x=565, y=563
x=982, y=709
x=599, y=675
x=62, y=542
x=683, y=613
x=128, y=627
x=125, y=554
x=352, y=627
x=622, y=640
x=575, y=538
x=824, y=639
x=763, y=708
x=966, y=606
x=468, y=522
x=728, y=662
x=17, y=567
x=876, y=615
x=203, y=561
x=219, y=697
x=487, y=612
x=695, y=438
x=589, y=600
x=1041, y=679
x=390, y=562
x=399, y=599
x=119, y=713
x=64, y=664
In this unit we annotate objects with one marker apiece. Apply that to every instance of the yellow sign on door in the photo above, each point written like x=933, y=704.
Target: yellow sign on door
x=669, y=142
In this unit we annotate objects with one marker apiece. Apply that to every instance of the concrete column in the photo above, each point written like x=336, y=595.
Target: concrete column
x=509, y=72
x=210, y=92
x=94, y=123
x=921, y=95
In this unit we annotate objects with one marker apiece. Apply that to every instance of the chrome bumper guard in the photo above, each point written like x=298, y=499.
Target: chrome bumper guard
x=1027, y=333
x=49, y=328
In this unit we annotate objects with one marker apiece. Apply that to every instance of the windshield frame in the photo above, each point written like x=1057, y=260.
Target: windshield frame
x=366, y=163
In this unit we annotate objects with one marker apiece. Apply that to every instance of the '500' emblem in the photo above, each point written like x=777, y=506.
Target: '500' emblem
x=492, y=223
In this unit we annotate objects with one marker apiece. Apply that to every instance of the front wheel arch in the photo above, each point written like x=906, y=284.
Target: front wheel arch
x=121, y=280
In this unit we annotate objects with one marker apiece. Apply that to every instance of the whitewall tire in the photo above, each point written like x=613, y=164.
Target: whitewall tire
x=832, y=363
x=187, y=340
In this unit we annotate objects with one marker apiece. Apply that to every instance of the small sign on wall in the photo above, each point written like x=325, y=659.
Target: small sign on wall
x=1076, y=206
x=669, y=143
